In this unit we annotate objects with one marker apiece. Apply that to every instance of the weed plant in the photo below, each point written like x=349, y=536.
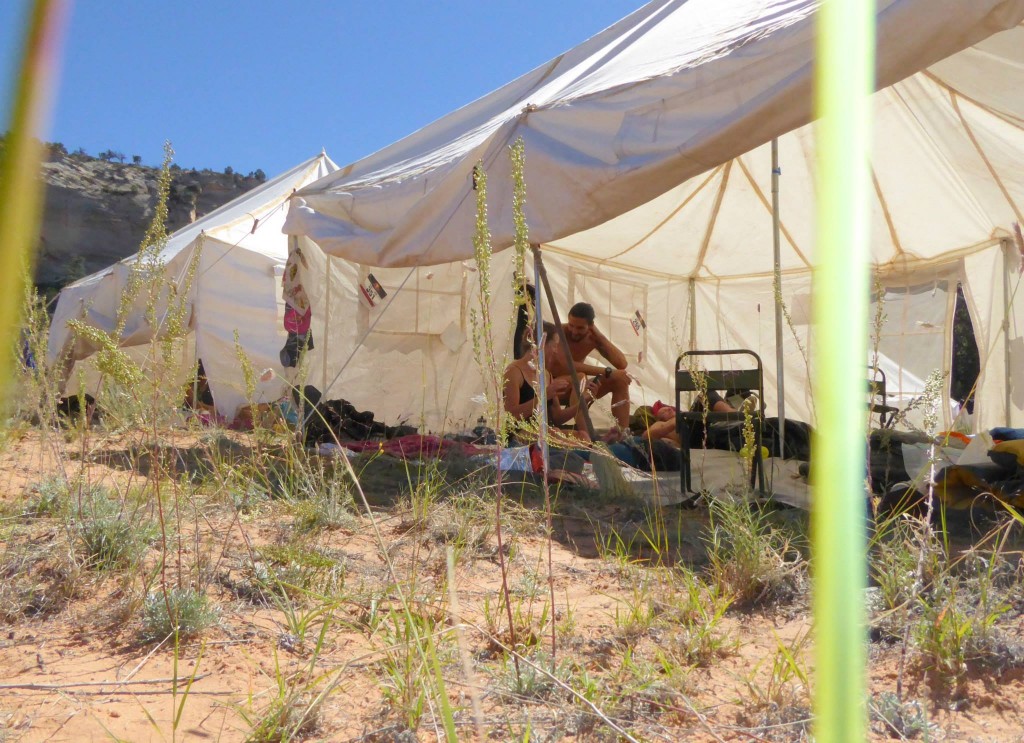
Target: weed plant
x=110, y=532
x=38, y=578
x=297, y=571
x=751, y=560
x=778, y=699
x=51, y=497
x=906, y=720
x=186, y=612
x=294, y=712
x=947, y=607
x=693, y=610
x=412, y=683
x=536, y=680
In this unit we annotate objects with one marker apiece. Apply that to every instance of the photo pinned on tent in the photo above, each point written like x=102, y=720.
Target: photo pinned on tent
x=638, y=322
x=372, y=290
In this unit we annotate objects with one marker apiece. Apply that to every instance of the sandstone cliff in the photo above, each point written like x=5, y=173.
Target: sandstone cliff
x=97, y=211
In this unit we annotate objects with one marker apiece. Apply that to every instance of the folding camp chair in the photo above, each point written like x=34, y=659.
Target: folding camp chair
x=689, y=379
x=877, y=398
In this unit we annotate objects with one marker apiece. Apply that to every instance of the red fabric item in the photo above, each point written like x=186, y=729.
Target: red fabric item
x=659, y=405
x=536, y=458
x=296, y=323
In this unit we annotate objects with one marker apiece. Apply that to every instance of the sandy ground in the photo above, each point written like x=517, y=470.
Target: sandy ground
x=81, y=673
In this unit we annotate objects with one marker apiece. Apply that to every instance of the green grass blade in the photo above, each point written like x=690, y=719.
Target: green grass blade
x=447, y=715
x=20, y=187
x=188, y=687
x=844, y=80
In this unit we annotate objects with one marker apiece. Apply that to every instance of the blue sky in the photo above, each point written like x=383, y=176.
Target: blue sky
x=262, y=84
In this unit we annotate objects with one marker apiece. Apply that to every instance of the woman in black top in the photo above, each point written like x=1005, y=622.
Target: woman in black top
x=522, y=381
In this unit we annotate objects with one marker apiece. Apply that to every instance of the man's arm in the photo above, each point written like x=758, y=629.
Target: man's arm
x=608, y=349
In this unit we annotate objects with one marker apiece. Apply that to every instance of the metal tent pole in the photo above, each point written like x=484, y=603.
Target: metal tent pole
x=692, y=292
x=777, y=247
x=327, y=326
x=1007, y=402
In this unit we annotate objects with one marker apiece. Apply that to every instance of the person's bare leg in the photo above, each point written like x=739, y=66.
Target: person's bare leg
x=618, y=385
x=581, y=425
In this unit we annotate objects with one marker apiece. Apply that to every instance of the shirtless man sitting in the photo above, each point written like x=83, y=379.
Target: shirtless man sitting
x=584, y=338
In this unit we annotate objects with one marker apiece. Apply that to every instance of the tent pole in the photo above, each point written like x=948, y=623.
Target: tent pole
x=195, y=338
x=693, y=314
x=539, y=266
x=1006, y=332
x=777, y=247
x=327, y=326
x=542, y=377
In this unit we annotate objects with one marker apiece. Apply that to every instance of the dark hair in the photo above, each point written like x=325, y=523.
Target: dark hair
x=583, y=311
x=529, y=340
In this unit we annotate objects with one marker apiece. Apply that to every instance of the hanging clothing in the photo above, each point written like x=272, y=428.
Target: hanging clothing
x=291, y=282
x=298, y=314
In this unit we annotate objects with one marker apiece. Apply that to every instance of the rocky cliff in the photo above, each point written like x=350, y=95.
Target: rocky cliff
x=97, y=210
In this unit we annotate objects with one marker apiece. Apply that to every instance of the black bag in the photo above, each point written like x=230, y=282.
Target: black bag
x=658, y=455
x=798, y=439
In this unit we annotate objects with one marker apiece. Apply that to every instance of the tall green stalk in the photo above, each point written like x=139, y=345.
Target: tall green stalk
x=844, y=77
x=20, y=187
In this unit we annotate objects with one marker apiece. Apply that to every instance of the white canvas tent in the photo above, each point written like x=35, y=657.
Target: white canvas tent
x=648, y=184
x=236, y=289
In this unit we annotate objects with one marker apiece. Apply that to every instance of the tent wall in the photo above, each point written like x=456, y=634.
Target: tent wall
x=410, y=357
x=220, y=315
x=740, y=313
x=992, y=289
x=239, y=253
x=914, y=337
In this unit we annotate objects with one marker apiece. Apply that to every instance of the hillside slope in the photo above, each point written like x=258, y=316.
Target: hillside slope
x=96, y=211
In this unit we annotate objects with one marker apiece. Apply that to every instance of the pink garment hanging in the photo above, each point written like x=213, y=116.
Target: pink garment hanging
x=296, y=323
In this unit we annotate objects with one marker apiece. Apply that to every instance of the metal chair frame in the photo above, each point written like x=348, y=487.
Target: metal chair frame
x=718, y=380
x=876, y=391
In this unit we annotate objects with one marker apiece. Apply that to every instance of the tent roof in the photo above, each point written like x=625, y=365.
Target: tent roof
x=676, y=93
x=234, y=220
x=947, y=167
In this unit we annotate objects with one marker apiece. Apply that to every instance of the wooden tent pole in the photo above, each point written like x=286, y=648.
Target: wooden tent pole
x=539, y=262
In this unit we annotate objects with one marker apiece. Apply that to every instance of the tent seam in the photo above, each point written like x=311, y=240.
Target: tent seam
x=886, y=213
x=767, y=205
x=714, y=218
x=714, y=171
x=954, y=97
x=1008, y=118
